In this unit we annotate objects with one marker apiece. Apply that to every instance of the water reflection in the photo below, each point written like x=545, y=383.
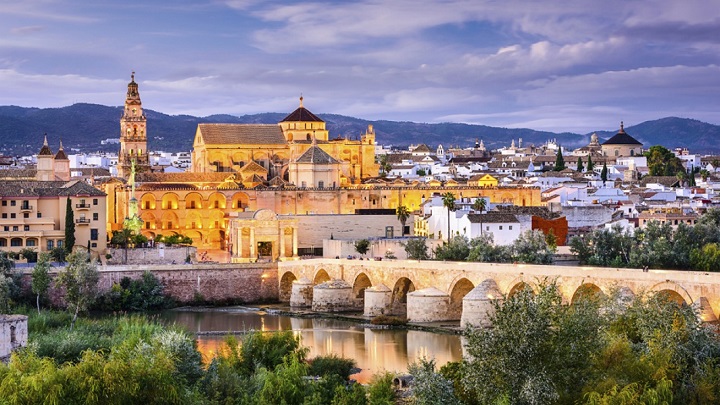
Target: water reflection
x=374, y=350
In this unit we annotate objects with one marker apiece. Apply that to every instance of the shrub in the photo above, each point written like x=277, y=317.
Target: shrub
x=388, y=320
x=380, y=391
x=331, y=365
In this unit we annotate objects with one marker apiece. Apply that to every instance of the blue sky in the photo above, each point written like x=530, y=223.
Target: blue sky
x=551, y=65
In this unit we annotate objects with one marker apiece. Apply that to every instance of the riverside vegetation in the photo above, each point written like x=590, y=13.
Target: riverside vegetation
x=600, y=350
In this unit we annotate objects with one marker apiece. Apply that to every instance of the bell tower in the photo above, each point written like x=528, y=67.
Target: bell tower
x=133, y=135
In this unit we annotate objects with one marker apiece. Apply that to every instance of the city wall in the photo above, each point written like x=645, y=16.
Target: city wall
x=237, y=283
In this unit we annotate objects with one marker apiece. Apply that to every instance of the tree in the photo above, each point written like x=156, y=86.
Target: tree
x=479, y=205
x=455, y=249
x=69, y=227
x=580, y=167
x=559, y=161
x=531, y=247
x=704, y=174
x=483, y=249
x=385, y=167
x=604, y=173
x=41, y=277
x=662, y=162
x=80, y=281
x=416, y=249
x=590, y=164
x=421, y=172
x=707, y=258
x=5, y=294
x=362, y=246
x=449, y=203
x=402, y=215
x=430, y=387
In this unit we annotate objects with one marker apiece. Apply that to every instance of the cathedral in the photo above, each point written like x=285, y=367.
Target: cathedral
x=291, y=168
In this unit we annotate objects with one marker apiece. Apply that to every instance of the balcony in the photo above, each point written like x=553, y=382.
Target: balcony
x=26, y=208
x=82, y=221
x=82, y=206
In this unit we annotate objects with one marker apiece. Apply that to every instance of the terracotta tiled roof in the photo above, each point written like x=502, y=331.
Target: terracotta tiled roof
x=47, y=189
x=543, y=212
x=622, y=138
x=248, y=134
x=302, y=114
x=422, y=148
x=252, y=167
x=492, y=217
x=317, y=156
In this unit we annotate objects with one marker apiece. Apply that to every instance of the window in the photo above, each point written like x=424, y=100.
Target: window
x=31, y=242
x=39, y=214
x=60, y=243
x=26, y=215
x=15, y=228
x=93, y=245
x=321, y=184
x=304, y=184
x=26, y=227
x=192, y=204
x=500, y=227
x=93, y=234
x=217, y=204
x=147, y=225
x=95, y=216
x=487, y=228
x=4, y=215
x=50, y=245
x=95, y=201
x=510, y=227
x=4, y=203
x=12, y=215
x=169, y=225
x=16, y=242
x=3, y=242
x=6, y=228
x=13, y=203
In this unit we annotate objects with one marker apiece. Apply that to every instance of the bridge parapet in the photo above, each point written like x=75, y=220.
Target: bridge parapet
x=457, y=279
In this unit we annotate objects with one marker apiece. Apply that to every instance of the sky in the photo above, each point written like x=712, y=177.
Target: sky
x=554, y=65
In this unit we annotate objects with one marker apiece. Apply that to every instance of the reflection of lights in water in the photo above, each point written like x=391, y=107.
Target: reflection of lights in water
x=262, y=324
x=328, y=344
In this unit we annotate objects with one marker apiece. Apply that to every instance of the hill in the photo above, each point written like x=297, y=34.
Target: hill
x=83, y=126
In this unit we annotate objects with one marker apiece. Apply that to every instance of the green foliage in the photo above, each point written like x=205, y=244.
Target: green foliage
x=416, y=249
x=30, y=254
x=7, y=264
x=483, y=249
x=58, y=254
x=559, y=160
x=590, y=164
x=402, y=215
x=79, y=279
x=362, y=246
x=421, y=172
x=706, y=258
x=662, y=162
x=604, y=172
x=69, y=227
x=380, y=391
x=532, y=247
x=430, y=387
x=580, y=167
x=144, y=294
x=454, y=371
x=267, y=350
x=479, y=205
x=331, y=365
x=176, y=239
x=455, y=249
x=121, y=238
x=6, y=302
x=448, y=200
x=41, y=278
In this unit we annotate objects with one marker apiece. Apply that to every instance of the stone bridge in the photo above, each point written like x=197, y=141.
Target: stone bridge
x=430, y=291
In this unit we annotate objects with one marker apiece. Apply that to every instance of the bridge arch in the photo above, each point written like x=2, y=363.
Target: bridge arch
x=286, y=282
x=587, y=292
x=361, y=283
x=401, y=288
x=520, y=286
x=321, y=276
x=673, y=291
x=458, y=291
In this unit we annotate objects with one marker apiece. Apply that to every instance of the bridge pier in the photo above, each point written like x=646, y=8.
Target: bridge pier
x=705, y=311
x=378, y=300
x=428, y=305
x=479, y=304
x=302, y=293
x=333, y=296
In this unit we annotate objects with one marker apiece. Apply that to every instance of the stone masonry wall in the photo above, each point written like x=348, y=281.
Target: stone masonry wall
x=155, y=255
x=241, y=283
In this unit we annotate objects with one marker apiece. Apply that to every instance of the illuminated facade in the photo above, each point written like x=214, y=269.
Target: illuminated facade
x=133, y=133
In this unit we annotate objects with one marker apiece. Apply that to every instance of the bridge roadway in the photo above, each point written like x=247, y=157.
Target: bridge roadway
x=427, y=291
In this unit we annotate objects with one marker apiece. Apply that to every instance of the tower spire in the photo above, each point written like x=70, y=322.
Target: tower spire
x=301, y=100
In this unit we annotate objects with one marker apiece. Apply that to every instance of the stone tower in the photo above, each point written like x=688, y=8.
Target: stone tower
x=45, y=170
x=133, y=134
x=61, y=165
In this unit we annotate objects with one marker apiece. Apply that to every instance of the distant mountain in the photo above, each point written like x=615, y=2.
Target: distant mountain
x=82, y=126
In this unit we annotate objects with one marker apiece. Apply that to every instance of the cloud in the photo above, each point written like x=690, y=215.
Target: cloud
x=26, y=30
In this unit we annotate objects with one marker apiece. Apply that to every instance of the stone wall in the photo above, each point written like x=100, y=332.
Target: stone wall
x=313, y=229
x=155, y=255
x=378, y=248
x=238, y=283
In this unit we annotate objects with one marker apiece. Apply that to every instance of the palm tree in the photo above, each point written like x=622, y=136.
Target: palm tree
x=402, y=215
x=704, y=174
x=479, y=205
x=449, y=203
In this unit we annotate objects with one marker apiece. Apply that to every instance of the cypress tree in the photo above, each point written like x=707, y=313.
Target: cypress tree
x=603, y=173
x=580, y=167
x=559, y=160
x=590, y=164
x=69, y=227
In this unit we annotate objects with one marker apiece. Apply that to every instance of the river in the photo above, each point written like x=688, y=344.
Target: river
x=374, y=350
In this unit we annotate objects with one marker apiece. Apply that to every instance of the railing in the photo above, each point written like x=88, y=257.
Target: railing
x=85, y=206
x=82, y=221
x=26, y=208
